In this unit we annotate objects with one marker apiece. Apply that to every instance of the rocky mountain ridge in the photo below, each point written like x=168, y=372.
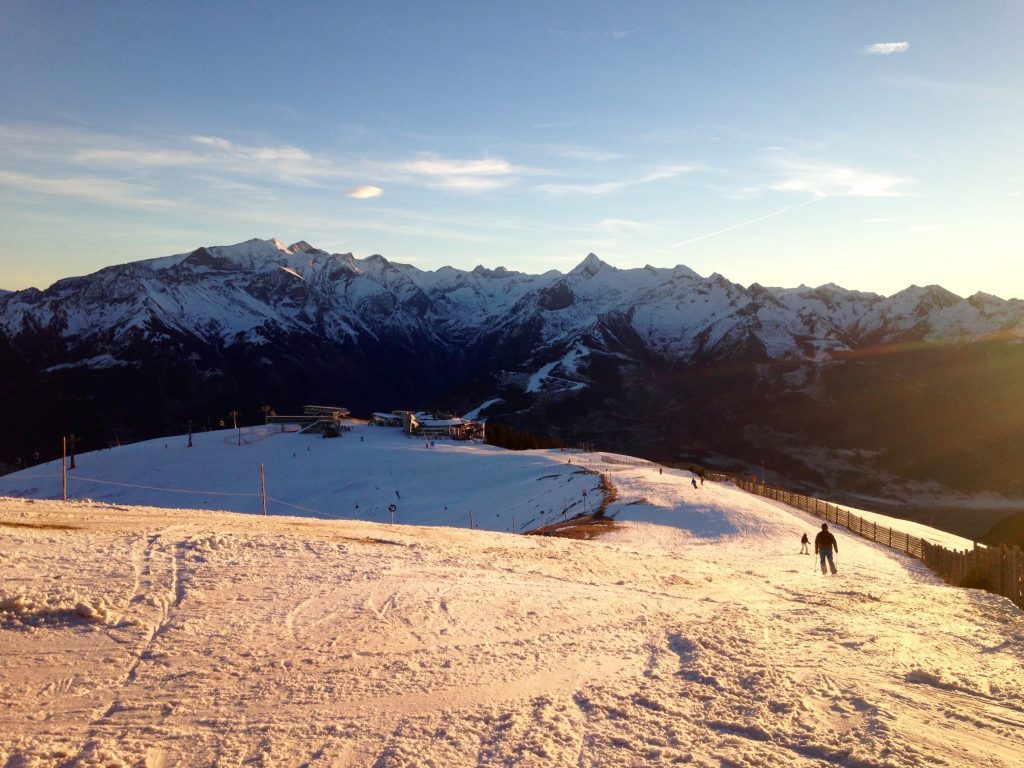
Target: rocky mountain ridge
x=234, y=294
x=658, y=361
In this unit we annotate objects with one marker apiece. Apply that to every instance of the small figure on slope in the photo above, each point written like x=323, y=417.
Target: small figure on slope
x=824, y=545
x=694, y=481
x=804, y=541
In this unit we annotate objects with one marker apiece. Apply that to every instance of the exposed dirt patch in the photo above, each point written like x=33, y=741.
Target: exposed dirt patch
x=585, y=530
x=40, y=526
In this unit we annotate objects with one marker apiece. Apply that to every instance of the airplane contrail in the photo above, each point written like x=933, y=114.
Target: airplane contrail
x=745, y=223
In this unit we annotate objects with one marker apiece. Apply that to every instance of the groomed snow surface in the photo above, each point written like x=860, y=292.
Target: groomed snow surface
x=693, y=633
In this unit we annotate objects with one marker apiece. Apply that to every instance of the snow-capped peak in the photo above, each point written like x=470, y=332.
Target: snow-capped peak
x=234, y=289
x=590, y=266
x=300, y=247
x=481, y=271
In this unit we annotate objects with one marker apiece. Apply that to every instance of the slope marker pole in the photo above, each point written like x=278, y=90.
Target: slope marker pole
x=263, y=489
x=64, y=467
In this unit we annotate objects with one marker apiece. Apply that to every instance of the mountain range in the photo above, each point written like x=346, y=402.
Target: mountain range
x=828, y=388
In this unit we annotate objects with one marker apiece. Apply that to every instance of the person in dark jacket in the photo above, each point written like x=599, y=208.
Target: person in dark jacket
x=804, y=541
x=824, y=545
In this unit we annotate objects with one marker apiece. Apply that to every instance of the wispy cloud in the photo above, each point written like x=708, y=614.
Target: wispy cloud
x=964, y=90
x=608, y=187
x=283, y=163
x=262, y=154
x=885, y=49
x=219, y=161
x=451, y=173
x=558, y=125
x=824, y=180
x=622, y=225
x=146, y=158
x=365, y=192
x=579, y=152
x=286, y=162
x=742, y=193
x=90, y=188
x=596, y=34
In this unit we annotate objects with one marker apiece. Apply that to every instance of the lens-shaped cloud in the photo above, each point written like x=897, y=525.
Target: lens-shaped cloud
x=365, y=192
x=884, y=49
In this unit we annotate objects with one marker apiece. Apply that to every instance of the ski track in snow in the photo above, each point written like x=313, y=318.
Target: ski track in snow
x=692, y=634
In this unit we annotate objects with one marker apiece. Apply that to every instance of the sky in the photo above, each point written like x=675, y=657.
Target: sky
x=873, y=145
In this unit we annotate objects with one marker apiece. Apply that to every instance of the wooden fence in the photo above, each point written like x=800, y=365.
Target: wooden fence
x=997, y=569
x=628, y=462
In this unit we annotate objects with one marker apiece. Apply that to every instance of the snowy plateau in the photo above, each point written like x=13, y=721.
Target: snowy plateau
x=141, y=624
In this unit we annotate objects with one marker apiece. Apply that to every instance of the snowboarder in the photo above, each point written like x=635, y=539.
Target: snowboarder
x=824, y=545
x=694, y=481
x=804, y=541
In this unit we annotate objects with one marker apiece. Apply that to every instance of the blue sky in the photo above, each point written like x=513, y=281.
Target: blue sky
x=873, y=145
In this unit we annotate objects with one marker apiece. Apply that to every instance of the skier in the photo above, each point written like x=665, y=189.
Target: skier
x=694, y=481
x=804, y=541
x=824, y=545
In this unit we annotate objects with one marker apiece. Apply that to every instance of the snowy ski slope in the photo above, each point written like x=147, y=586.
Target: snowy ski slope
x=693, y=633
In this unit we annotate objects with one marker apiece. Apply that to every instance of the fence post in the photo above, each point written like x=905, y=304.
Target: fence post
x=1003, y=587
x=1018, y=576
x=994, y=576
